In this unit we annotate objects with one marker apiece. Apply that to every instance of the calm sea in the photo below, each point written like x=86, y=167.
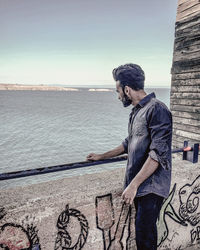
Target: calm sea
x=47, y=128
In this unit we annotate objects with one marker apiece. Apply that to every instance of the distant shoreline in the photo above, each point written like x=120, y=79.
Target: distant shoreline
x=103, y=88
x=35, y=87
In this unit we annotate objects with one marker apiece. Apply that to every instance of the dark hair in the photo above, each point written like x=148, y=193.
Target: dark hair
x=130, y=75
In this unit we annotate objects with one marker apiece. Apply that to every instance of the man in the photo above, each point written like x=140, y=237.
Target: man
x=148, y=172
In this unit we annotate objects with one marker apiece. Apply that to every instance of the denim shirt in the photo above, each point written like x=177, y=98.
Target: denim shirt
x=149, y=134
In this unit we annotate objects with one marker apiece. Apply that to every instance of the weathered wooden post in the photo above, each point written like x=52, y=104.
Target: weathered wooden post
x=185, y=87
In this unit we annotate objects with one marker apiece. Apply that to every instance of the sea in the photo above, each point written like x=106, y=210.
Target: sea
x=48, y=128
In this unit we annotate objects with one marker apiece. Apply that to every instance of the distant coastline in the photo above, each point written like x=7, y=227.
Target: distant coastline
x=42, y=87
x=4, y=86
x=34, y=87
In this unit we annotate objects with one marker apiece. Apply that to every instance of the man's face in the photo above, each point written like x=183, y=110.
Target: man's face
x=122, y=96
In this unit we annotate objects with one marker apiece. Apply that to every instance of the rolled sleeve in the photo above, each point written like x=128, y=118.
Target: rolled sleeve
x=125, y=145
x=160, y=126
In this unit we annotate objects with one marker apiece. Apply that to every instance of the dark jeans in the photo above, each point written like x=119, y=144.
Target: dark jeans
x=147, y=211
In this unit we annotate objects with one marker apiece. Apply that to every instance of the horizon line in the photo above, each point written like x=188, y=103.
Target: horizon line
x=84, y=85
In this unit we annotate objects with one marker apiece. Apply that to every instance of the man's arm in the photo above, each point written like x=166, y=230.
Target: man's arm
x=147, y=170
x=112, y=153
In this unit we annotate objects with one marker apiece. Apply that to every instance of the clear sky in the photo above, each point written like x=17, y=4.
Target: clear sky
x=79, y=42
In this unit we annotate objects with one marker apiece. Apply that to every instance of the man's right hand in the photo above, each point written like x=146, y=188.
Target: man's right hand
x=94, y=157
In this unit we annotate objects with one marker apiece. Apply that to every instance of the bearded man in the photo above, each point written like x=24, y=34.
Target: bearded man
x=148, y=145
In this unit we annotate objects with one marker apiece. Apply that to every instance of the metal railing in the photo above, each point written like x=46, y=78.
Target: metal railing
x=189, y=153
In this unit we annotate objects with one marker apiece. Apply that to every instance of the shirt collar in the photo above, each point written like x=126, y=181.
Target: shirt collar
x=145, y=100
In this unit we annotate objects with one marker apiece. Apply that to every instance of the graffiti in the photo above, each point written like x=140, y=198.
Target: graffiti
x=195, y=234
x=189, y=202
x=189, y=211
x=117, y=230
x=71, y=220
x=2, y=212
x=116, y=242
x=179, y=248
x=105, y=217
x=34, y=240
x=167, y=209
x=15, y=237
x=105, y=220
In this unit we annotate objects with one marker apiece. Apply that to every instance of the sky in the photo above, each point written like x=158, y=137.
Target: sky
x=79, y=42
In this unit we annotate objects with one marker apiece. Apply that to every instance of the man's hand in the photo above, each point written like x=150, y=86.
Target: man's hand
x=146, y=171
x=129, y=194
x=112, y=153
x=94, y=157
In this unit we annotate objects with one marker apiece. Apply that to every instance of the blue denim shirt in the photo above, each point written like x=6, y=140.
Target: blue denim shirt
x=149, y=134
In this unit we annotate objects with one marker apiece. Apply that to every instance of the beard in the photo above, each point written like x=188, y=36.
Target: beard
x=126, y=101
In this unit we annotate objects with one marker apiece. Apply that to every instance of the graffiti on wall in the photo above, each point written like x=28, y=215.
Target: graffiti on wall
x=16, y=237
x=105, y=217
x=2, y=212
x=189, y=202
x=116, y=241
x=71, y=221
x=117, y=228
x=189, y=211
x=167, y=210
x=195, y=234
x=105, y=220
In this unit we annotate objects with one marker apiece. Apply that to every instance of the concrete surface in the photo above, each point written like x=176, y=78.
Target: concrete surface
x=86, y=212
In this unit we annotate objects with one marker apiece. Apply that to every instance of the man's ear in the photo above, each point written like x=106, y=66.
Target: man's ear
x=127, y=90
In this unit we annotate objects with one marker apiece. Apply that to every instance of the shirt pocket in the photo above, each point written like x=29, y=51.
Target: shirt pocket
x=139, y=128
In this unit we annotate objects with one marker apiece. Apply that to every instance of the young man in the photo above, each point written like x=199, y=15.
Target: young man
x=148, y=172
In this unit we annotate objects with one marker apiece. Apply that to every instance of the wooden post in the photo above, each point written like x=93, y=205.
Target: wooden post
x=185, y=84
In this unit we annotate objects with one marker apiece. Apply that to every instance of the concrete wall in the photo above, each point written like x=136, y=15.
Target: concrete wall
x=185, y=87
x=85, y=212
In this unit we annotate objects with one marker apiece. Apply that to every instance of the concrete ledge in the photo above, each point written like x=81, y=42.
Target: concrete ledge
x=85, y=212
